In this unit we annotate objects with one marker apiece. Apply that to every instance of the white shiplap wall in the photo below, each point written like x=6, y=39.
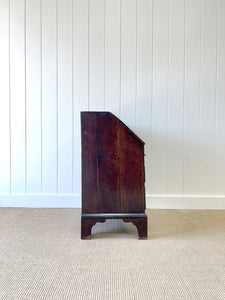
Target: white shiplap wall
x=159, y=65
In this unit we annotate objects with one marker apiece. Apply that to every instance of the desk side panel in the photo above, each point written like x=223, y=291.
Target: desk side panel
x=132, y=176
x=108, y=163
x=89, y=164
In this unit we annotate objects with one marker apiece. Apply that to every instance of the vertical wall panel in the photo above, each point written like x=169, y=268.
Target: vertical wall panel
x=207, y=98
x=176, y=96
x=191, y=97
x=144, y=79
x=65, y=162
x=80, y=80
x=112, y=56
x=96, y=54
x=220, y=102
x=33, y=95
x=17, y=91
x=4, y=99
x=160, y=95
x=157, y=64
x=49, y=96
x=128, y=61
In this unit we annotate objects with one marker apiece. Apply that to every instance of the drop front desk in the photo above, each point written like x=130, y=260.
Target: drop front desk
x=113, y=174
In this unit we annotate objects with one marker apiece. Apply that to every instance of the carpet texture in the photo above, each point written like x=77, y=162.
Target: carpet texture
x=42, y=256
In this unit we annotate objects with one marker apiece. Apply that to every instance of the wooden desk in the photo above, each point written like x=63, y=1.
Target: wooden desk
x=113, y=174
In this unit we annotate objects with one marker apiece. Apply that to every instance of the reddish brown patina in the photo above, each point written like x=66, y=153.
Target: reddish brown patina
x=113, y=175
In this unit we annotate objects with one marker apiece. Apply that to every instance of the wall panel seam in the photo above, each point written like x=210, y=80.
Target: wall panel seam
x=184, y=85
x=57, y=89
x=89, y=54
x=41, y=94
x=167, y=96
x=25, y=87
x=136, y=65
x=216, y=98
x=152, y=88
x=10, y=121
x=72, y=97
x=104, y=52
x=200, y=79
x=120, y=54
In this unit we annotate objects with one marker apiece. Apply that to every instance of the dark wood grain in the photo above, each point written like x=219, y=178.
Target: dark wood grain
x=89, y=163
x=142, y=226
x=139, y=220
x=86, y=226
x=131, y=172
x=108, y=166
x=112, y=170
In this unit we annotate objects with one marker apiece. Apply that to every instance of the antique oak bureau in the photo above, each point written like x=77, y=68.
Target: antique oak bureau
x=113, y=174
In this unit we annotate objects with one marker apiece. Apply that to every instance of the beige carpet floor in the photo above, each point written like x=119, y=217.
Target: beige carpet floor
x=42, y=256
